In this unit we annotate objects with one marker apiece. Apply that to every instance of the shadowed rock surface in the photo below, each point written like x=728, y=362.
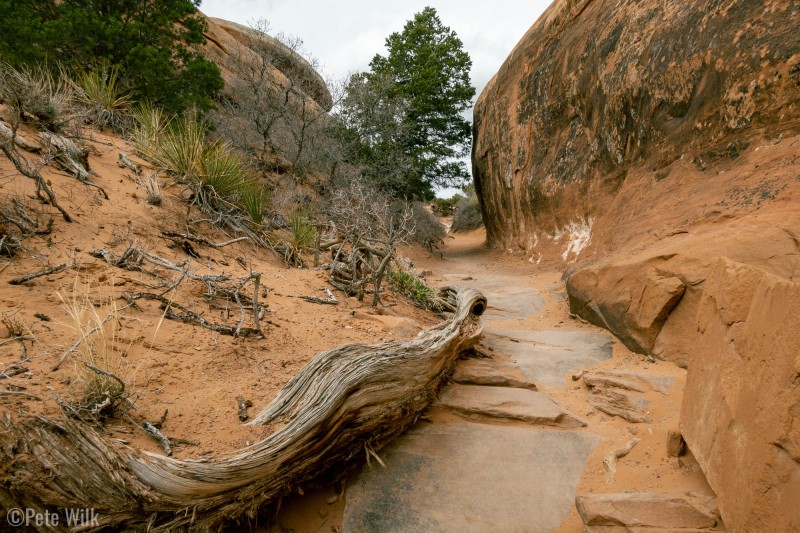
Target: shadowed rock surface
x=435, y=477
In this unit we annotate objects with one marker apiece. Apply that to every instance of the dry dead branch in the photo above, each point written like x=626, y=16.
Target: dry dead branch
x=13, y=370
x=124, y=162
x=133, y=259
x=46, y=272
x=28, y=170
x=6, y=135
x=610, y=460
x=344, y=401
x=330, y=300
x=201, y=240
x=244, y=405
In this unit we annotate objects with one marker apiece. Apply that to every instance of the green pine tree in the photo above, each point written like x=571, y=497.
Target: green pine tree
x=150, y=41
x=431, y=72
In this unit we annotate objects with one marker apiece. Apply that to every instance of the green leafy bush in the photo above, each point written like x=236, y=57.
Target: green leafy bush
x=154, y=44
x=413, y=287
x=444, y=207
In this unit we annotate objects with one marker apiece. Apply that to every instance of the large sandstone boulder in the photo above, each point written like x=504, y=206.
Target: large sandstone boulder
x=649, y=298
x=741, y=407
x=228, y=39
x=616, y=122
x=651, y=148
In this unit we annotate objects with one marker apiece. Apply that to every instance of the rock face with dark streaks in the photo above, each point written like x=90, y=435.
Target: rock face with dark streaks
x=650, y=148
x=603, y=93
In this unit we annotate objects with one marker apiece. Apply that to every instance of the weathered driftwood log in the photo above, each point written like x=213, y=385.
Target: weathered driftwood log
x=345, y=401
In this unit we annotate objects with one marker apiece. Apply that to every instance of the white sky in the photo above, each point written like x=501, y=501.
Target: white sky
x=345, y=35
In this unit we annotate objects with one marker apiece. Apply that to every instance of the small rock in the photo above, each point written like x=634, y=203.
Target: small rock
x=616, y=403
x=676, y=446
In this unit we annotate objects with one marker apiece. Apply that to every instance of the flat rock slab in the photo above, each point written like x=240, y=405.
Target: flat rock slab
x=486, y=372
x=465, y=477
x=633, y=381
x=507, y=303
x=508, y=403
x=606, y=512
x=506, y=300
x=546, y=357
x=618, y=403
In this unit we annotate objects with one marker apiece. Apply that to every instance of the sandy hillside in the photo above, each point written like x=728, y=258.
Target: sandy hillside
x=192, y=372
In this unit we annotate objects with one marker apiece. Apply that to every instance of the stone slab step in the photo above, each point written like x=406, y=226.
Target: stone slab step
x=487, y=372
x=506, y=403
x=546, y=357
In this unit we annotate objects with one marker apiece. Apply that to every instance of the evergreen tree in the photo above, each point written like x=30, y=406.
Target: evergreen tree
x=149, y=40
x=430, y=74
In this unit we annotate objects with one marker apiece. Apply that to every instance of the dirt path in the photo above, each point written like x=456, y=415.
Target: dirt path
x=514, y=438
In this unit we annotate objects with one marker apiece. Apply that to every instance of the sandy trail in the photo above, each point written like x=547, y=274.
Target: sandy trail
x=514, y=438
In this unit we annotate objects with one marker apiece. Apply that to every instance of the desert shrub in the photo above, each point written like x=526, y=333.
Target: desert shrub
x=100, y=92
x=444, y=207
x=428, y=231
x=412, y=287
x=467, y=214
x=35, y=95
x=222, y=183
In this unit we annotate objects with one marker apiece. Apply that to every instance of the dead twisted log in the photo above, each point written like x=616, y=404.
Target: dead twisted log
x=345, y=401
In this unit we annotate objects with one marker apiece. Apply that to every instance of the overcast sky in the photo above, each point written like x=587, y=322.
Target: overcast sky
x=345, y=35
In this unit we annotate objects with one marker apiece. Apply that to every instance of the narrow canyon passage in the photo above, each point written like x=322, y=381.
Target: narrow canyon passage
x=514, y=437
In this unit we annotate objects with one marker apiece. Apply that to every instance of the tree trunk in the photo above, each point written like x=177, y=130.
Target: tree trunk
x=344, y=400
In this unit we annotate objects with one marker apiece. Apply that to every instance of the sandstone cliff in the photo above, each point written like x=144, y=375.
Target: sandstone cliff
x=228, y=39
x=641, y=145
x=601, y=94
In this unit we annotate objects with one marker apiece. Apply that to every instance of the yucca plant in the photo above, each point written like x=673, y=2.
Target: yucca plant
x=100, y=91
x=303, y=232
x=254, y=199
x=175, y=145
x=221, y=171
x=151, y=121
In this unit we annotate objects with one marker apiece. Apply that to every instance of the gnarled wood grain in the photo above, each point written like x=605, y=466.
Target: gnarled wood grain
x=346, y=400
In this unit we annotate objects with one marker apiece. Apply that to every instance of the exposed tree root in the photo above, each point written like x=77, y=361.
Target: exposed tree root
x=345, y=401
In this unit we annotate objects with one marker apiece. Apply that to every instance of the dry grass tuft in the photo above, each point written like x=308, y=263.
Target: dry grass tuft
x=101, y=372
